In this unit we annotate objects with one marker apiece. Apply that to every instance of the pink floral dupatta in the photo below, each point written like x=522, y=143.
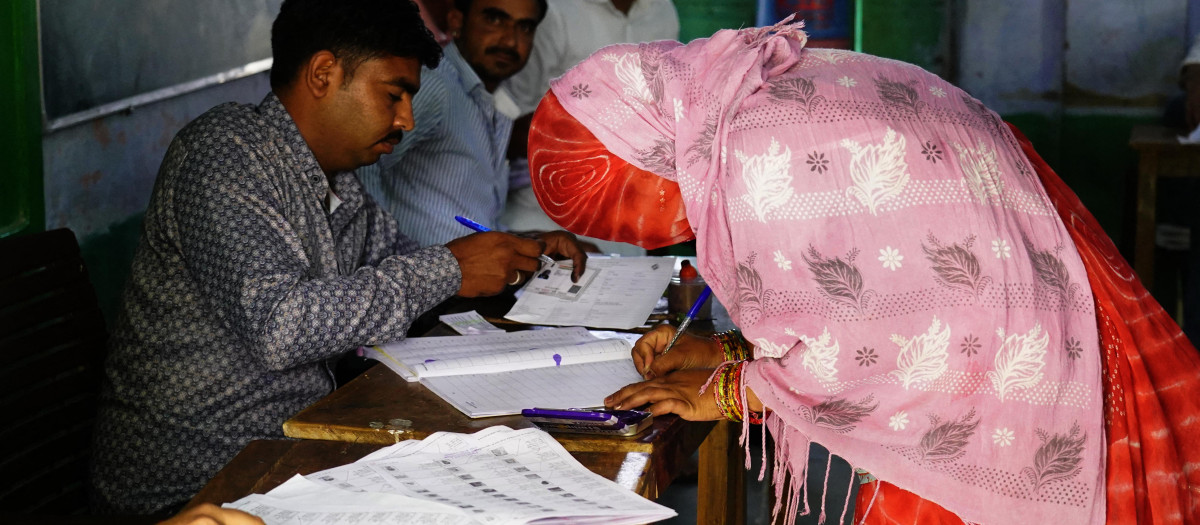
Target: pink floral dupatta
x=916, y=304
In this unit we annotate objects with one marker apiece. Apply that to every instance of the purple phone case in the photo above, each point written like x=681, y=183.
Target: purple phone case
x=606, y=418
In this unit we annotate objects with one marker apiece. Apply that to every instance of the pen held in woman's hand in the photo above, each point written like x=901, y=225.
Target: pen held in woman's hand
x=704, y=294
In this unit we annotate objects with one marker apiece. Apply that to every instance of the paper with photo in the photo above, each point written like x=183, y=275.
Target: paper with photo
x=618, y=292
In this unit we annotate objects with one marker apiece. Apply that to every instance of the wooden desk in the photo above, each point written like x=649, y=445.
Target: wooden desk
x=379, y=407
x=1159, y=155
x=266, y=464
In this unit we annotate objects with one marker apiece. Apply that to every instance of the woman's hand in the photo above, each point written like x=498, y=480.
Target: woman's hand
x=689, y=352
x=674, y=393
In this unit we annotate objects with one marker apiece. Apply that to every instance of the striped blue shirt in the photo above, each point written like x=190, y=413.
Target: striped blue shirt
x=452, y=163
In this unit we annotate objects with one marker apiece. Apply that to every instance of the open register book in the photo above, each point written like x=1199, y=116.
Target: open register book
x=501, y=374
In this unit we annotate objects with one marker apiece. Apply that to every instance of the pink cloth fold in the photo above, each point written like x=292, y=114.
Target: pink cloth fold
x=916, y=304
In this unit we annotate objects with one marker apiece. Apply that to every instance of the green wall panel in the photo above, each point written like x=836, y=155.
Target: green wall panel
x=1099, y=165
x=21, y=203
x=914, y=31
x=702, y=18
x=1043, y=131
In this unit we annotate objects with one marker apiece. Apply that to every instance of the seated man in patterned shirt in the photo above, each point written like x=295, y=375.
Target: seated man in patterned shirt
x=262, y=258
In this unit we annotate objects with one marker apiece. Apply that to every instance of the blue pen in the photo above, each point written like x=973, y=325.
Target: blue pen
x=471, y=224
x=688, y=319
x=546, y=260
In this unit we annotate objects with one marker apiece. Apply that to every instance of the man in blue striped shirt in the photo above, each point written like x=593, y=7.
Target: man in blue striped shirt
x=454, y=161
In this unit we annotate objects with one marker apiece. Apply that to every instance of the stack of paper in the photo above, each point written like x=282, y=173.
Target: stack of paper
x=501, y=374
x=495, y=476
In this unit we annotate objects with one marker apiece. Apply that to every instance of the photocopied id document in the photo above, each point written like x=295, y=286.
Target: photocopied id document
x=469, y=323
x=495, y=476
x=614, y=292
x=503, y=373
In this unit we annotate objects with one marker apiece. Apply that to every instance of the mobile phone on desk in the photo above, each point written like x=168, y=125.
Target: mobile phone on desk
x=589, y=421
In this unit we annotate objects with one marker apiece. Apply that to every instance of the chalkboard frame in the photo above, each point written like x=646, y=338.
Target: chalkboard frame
x=125, y=104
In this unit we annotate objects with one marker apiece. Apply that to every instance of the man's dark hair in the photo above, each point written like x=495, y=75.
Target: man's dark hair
x=465, y=5
x=353, y=30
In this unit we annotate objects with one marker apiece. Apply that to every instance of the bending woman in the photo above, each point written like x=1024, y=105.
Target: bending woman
x=915, y=289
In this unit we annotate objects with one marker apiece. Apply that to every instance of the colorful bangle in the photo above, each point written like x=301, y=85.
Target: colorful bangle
x=734, y=346
x=724, y=388
x=726, y=384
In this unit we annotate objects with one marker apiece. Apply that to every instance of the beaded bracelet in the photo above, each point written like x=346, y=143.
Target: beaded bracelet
x=734, y=346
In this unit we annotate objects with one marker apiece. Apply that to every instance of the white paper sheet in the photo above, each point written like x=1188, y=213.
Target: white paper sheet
x=469, y=323
x=504, y=393
x=300, y=501
x=495, y=476
x=414, y=357
x=618, y=292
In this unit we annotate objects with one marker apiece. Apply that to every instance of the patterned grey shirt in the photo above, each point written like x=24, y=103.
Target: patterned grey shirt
x=243, y=287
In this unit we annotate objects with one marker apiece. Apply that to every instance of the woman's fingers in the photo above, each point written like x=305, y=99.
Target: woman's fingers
x=664, y=364
x=672, y=406
x=647, y=348
x=675, y=393
x=635, y=395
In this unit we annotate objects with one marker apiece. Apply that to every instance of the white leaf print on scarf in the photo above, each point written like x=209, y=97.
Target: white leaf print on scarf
x=628, y=69
x=879, y=171
x=767, y=178
x=820, y=356
x=766, y=348
x=922, y=358
x=981, y=171
x=831, y=56
x=1020, y=360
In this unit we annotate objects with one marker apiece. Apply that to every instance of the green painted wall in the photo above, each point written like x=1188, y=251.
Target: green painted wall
x=1097, y=162
x=702, y=18
x=1043, y=131
x=21, y=202
x=914, y=31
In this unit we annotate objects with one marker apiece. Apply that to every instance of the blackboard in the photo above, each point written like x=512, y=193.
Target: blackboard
x=97, y=52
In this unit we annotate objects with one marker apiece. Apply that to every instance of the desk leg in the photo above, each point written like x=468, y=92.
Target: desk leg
x=721, y=485
x=1143, y=257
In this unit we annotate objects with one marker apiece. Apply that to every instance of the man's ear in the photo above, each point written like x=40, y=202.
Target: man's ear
x=454, y=22
x=322, y=73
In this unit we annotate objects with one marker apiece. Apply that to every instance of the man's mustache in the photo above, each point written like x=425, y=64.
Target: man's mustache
x=508, y=52
x=395, y=135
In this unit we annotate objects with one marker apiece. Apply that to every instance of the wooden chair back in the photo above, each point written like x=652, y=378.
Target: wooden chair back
x=52, y=348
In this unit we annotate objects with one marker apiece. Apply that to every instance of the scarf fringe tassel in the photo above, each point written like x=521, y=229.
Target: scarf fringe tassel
x=795, y=484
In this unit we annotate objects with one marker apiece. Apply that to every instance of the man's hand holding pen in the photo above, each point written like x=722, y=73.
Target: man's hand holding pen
x=491, y=261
